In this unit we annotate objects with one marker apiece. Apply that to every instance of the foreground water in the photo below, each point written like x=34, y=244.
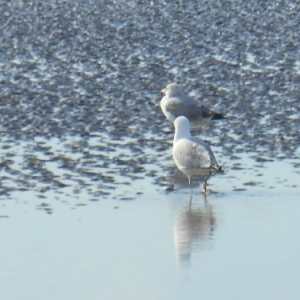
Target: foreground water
x=157, y=247
x=232, y=244
x=92, y=206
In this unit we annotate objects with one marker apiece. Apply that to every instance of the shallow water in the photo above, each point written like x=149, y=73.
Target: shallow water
x=92, y=205
x=236, y=245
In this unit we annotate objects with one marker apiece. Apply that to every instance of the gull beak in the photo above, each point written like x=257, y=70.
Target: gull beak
x=163, y=92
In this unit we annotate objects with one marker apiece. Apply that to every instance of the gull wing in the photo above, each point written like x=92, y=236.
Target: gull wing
x=193, y=154
x=187, y=107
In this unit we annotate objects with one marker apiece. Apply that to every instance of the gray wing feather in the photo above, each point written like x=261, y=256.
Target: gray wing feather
x=187, y=107
x=208, y=149
x=194, y=153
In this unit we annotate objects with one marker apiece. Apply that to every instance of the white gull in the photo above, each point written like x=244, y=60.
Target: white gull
x=176, y=103
x=191, y=155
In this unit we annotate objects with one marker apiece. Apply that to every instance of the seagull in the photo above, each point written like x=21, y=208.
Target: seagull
x=191, y=155
x=176, y=103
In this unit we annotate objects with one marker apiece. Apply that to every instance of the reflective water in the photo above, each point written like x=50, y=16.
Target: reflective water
x=129, y=252
x=228, y=245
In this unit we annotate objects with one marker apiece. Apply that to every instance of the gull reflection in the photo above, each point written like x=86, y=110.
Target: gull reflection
x=192, y=229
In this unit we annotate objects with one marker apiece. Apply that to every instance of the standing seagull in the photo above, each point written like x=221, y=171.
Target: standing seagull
x=191, y=155
x=175, y=103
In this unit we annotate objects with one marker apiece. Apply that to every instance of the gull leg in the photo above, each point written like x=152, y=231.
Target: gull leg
x=204, y=189
x=190, y=184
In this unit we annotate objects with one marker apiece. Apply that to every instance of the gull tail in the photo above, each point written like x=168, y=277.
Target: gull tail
x=210, y=114
x=220, y=169
x=217, y=116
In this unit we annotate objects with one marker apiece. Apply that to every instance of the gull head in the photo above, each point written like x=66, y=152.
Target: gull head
x=182, y=128
x=172, y=90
